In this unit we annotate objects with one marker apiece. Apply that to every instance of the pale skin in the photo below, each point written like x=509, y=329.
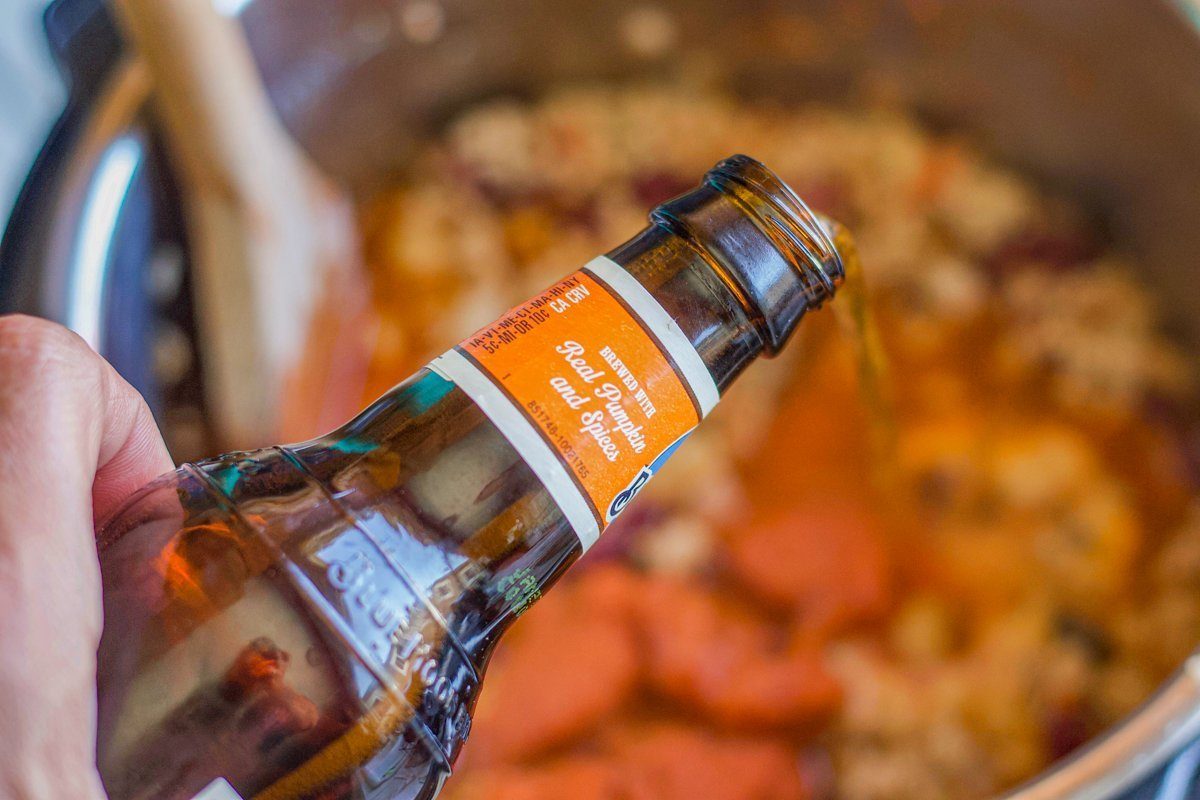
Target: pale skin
x=75, y=441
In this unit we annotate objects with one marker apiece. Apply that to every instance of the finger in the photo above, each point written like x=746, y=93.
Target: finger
x=131, y=449
x=64, y=416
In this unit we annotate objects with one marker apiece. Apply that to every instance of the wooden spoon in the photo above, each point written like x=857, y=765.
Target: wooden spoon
x=280, y=291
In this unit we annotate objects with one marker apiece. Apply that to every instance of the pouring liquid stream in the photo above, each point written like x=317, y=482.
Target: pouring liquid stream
x=856, y=322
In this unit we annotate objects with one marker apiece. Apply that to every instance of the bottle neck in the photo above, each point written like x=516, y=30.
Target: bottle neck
x=712, y=311
x=737, y=263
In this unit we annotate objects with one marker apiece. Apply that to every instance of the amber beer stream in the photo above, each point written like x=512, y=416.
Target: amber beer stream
x=313, y=621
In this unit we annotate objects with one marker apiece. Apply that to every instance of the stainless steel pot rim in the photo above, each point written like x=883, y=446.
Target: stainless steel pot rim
x=1159, y=730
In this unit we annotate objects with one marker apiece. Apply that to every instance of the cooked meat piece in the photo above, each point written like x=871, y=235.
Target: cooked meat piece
x=572, y=661
x=826, y=560
x=676, y=761
x=584, y=778
x=719, y=661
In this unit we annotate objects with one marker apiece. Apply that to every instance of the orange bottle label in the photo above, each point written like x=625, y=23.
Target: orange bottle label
x=593, y=367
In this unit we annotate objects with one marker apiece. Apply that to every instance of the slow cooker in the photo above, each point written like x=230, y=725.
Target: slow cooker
x=1100, y=100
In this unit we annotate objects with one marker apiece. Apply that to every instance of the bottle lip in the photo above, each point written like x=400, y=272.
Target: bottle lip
x=803, y=236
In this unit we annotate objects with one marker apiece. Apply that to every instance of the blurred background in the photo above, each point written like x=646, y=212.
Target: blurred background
x=987, y=581
x=32, y=93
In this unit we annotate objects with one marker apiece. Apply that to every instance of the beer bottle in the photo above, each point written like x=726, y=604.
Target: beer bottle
x=313, y=621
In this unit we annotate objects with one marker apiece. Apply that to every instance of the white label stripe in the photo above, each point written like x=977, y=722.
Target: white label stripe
x=692, y=368
x=525, y=439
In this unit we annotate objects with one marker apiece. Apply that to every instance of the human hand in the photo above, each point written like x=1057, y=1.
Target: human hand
x=75, y=440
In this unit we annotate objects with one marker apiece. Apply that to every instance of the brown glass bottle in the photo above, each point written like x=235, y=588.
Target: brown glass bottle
x=313, y=621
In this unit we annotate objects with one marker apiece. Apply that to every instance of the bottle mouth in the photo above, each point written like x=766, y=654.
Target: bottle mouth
x=799, y=234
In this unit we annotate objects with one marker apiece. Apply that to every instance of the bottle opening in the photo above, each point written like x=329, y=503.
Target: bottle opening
x=798, y=233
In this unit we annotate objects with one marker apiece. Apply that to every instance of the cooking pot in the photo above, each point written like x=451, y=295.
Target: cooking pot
x=1100, y=100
